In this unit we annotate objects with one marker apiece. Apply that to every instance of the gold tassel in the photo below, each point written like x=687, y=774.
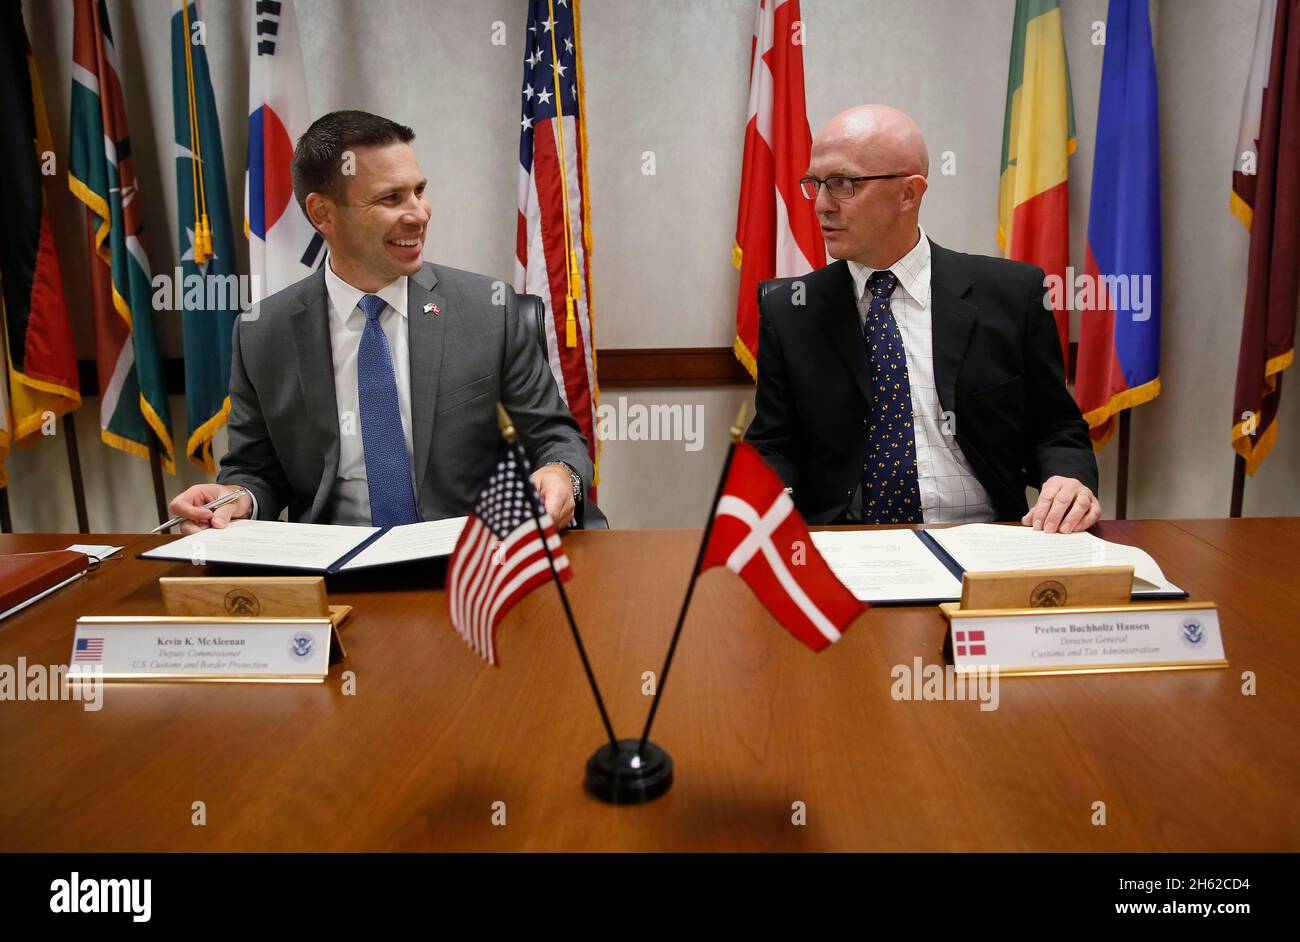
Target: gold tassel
x=200, y=241
x=575, y=276
x=570, y=323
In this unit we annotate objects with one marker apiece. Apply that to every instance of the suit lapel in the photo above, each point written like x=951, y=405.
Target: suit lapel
x=311, y=339
x=837, y=312
x=952, y=319
x=425, y=342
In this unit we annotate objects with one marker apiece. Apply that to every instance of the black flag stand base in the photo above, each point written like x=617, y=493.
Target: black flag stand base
x=633, y=776
x=638, y=771
x=623, y=771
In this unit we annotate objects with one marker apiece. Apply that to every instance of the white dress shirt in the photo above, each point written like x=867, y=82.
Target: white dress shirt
x=950, y=492
x=350, y=499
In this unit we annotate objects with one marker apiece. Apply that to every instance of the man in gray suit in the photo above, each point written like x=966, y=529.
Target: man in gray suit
x=366, y=393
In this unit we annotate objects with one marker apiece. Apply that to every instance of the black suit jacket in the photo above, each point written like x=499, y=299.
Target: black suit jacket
x=997, y=367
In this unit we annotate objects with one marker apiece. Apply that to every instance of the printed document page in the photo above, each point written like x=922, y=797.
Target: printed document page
x=410, y=542
x=312, y=546
x=987, y=547
x=886, y=565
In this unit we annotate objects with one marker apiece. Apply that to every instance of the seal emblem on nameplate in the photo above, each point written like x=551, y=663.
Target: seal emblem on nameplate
x=241, y=603
x=1049, y=594
x=1193, y=633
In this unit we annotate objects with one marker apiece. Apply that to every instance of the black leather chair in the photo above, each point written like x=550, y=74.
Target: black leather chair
x=533, y=310
x=767, y=285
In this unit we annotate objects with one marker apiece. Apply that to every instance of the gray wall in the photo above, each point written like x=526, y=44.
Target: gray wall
x=671, y=77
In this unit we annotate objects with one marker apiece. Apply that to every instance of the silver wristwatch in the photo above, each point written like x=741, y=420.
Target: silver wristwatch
x=573, y=477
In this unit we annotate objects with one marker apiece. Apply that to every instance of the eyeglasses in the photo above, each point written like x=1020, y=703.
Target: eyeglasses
x=841, y=188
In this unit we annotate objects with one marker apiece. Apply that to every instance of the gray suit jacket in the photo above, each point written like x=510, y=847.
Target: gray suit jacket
x=284, y=423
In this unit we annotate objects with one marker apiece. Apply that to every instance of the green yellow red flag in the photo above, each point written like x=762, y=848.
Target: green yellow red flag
x=1037, y=141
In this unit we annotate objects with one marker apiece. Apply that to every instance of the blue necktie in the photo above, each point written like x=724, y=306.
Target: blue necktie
x=890, y=493
x=388, y=467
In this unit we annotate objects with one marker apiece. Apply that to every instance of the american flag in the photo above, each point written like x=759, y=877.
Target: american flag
x=554, y=220
x=88, y=649
x=499, y=557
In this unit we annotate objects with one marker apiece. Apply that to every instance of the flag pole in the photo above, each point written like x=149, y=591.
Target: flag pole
x=512, y=439
x=737, y=428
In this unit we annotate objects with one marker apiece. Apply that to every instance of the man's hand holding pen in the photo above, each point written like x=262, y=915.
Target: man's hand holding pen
x=195, y=517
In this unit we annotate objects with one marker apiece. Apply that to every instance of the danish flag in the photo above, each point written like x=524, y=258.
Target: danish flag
x=758, y=535
x=969, y=643
x=777, y=233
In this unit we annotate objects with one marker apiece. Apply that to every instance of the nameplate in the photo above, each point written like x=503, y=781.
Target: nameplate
x=1154, y=636
x=207, y=649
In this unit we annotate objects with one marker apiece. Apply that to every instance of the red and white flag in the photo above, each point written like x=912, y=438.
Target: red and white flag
x=499, y=557
x=758, y=535
x=777, y=235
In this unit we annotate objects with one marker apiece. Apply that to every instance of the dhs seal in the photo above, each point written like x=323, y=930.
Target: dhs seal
x=1049, y=594
x=300, y=646
x=242, y=604
x=1193, y=633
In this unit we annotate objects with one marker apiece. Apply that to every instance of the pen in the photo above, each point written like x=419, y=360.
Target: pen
x=213, y=505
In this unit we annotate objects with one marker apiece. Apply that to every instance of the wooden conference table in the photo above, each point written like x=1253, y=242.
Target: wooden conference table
x=433, y=738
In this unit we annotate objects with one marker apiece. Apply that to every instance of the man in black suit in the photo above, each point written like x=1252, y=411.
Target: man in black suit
x=908, y=383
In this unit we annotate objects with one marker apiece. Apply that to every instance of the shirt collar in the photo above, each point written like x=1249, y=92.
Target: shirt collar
x=344, y=297
x=912, y=271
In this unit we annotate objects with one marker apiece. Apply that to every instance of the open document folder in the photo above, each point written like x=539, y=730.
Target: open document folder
x=312, y=546
x=913, y=567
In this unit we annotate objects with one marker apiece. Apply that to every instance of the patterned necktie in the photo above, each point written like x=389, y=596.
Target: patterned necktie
x=388, y=467
x=890, y=493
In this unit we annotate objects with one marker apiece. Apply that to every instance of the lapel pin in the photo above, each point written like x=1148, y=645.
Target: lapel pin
x=432, y=308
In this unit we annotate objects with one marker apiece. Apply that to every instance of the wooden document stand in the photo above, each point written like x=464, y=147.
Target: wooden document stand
x=255, y=597
x=1047, y=588
x=249, y=597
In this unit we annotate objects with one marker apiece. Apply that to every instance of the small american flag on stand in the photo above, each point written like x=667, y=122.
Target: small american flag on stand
x=500, y=557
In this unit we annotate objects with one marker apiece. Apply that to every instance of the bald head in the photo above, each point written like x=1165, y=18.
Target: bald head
x=882, y=137
x=882, y=151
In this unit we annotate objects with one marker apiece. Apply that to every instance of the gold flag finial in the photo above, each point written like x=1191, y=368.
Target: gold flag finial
x=738, y=426
x=507, y=424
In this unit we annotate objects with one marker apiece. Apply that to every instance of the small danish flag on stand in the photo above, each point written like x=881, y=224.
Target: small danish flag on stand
x=758, y=534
